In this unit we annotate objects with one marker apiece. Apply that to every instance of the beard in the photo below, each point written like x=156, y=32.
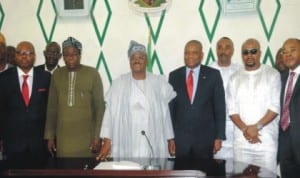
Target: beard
x=250, y=65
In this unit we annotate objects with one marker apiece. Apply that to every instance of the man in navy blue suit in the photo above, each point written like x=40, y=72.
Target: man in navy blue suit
x=289, y=132
x=199, y=115
x=23, y=100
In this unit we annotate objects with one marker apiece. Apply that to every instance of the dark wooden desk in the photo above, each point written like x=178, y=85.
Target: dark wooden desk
x=83, y=167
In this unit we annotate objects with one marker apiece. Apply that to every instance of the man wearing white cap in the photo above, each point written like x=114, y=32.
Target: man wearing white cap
x=137, y=106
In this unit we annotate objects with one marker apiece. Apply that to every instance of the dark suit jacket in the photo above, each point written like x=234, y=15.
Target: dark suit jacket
x=22, y=127
x=294, y=128
x=197, y=125
x=42, y=67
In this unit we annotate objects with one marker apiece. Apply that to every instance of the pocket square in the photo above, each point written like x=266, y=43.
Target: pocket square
x=42, y=89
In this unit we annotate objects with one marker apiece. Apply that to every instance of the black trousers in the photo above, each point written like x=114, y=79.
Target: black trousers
x=289, y=164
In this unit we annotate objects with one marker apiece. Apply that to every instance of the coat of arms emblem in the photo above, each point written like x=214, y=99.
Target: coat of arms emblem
x=149, y=6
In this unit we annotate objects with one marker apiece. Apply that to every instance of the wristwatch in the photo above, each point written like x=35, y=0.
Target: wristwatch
x=259, y=126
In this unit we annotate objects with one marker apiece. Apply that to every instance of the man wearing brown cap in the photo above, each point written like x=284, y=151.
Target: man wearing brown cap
x=75, y=106
x=137, y=120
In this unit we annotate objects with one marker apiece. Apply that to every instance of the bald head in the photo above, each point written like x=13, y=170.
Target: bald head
x=224, y=50
x=251, y=41
x=251, y=54
x=25, y=56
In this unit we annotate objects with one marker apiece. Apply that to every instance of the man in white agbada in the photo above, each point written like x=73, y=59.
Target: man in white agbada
x=253, y=105
x=225, y=49
x=136, y=102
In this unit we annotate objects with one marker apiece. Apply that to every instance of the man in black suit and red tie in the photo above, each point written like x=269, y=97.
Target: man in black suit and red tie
x=289, y=131
x=23, y=100
x=198, y=110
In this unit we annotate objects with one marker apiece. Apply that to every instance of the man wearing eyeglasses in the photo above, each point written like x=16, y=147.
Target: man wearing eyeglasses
x=23, y=103
x=52, y=55
x=253, y=106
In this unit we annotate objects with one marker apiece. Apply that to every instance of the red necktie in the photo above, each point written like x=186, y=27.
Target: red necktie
x=286, y=111
x=190, y=84
x=25, y=90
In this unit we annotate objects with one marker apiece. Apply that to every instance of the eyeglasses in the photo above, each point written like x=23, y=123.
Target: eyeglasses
x=26, y=53
x=249, y=51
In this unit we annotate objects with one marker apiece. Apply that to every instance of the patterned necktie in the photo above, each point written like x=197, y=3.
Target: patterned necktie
x=286, y=112
x=25, y=90
x=190, y=84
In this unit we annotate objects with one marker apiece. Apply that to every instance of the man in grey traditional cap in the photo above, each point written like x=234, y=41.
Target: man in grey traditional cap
x=75, y=106
x=137, y=105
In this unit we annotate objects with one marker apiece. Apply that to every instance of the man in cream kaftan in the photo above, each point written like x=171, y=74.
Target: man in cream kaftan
x=253, y=96
x=225, y=50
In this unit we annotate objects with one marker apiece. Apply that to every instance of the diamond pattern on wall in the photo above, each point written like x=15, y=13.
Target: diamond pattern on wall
x=268, y=20
x=101, y=36
x=153, y=57
x=268, y=31
x=210, y=33
x=268, y=55
x=47, y=37
x=2, y=15
x=210, y=55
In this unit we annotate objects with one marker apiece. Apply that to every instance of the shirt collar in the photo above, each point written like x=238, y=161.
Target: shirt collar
x=21, y=73
x=297, y=70
x=51, y=71
x=196, y=69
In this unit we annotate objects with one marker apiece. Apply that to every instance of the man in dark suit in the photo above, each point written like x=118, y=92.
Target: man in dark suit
x=23, y=100
x=52, y=55
x=198, y=110
x=289, y=131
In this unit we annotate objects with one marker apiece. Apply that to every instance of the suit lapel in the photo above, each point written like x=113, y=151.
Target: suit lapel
x=16, y=85
x=201, y=81
x=296, y=89
x=34, y=85
x=182, y=80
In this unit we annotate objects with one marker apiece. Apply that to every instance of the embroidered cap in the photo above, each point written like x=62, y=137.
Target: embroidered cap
x=135, y=47
x=72, y=42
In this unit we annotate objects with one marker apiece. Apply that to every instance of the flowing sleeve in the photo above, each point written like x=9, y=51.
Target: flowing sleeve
x=275, y=90
x=231, y=97
x=168, y=95
x=106, y=128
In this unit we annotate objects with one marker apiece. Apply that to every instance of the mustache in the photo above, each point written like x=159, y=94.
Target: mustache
x=136, y=63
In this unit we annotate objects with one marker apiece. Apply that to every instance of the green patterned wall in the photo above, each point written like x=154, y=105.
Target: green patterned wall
x=207, y=18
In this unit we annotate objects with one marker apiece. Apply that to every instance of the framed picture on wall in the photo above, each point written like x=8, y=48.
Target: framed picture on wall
x=239, y=6
x=73, y=7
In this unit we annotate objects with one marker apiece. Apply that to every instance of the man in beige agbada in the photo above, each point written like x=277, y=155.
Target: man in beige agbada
x=137, y=105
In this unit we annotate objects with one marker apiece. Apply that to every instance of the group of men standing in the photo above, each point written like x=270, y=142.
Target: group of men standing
x=218, y=111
